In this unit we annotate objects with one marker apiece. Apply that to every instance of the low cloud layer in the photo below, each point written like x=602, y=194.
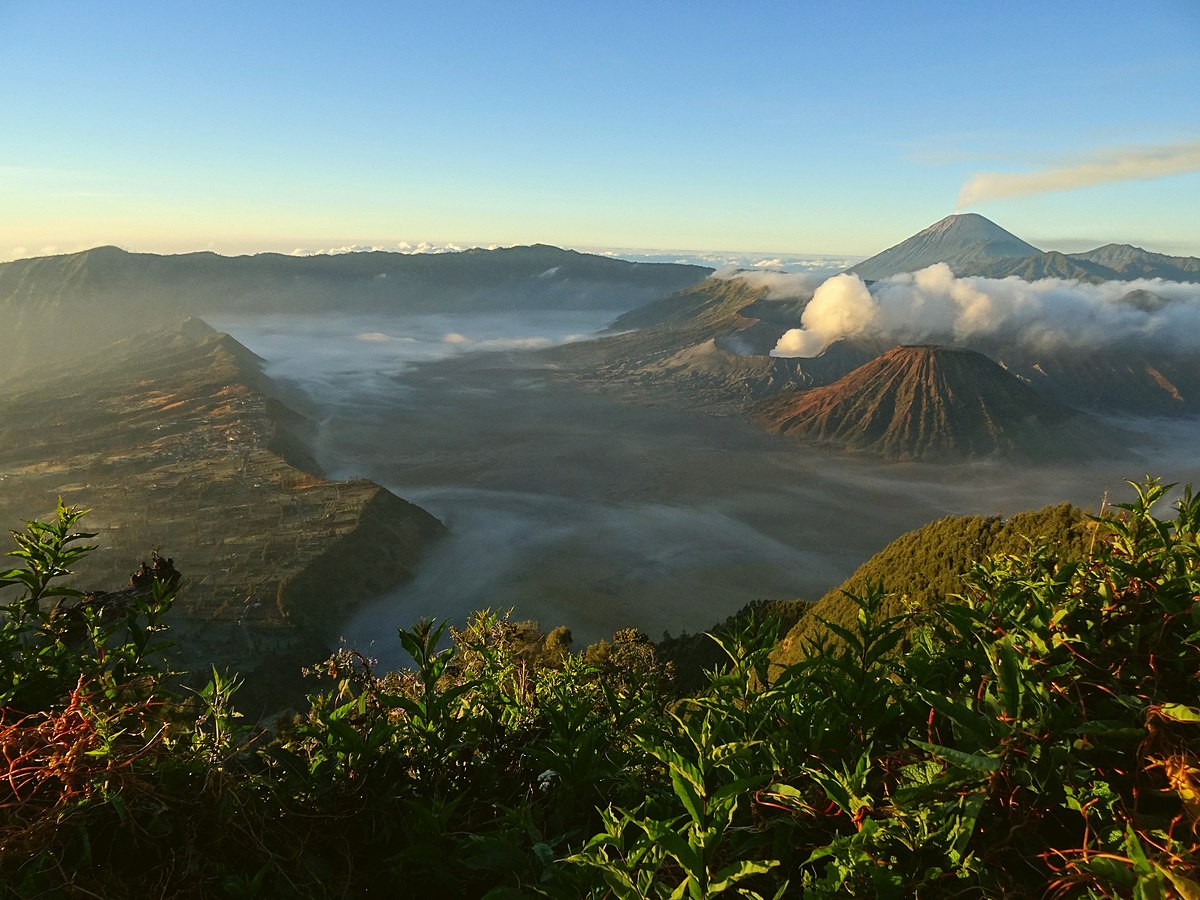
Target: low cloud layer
x=733, y=261
x=400, y=247
x=1128, y=164
x=935, y=306
x=779, y=285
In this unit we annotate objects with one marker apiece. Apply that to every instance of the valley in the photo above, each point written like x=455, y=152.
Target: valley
x=596, y=506
x=595, y=459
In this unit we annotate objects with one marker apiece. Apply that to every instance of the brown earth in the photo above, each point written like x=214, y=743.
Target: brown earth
x=927, y=402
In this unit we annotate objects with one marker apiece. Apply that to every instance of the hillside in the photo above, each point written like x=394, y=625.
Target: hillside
x=706, y=346
x=924, y=402
x=922, y=568
x=1134, y=262
x=81, y=299
x=171, y=437
x=1136, y=382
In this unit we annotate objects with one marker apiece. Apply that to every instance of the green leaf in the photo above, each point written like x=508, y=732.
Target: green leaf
x=685, y=790
x=1188, y=889
x=1177, y=712
x=984, y=765
x=1012, y=688
x=735, y=872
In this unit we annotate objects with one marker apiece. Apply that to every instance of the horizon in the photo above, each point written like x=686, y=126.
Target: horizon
x=717, y=259
x=764, y=132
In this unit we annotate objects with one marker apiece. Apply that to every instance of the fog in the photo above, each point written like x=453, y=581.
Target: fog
x=572, y=507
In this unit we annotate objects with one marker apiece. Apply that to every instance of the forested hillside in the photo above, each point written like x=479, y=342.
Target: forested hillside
x=927, y=566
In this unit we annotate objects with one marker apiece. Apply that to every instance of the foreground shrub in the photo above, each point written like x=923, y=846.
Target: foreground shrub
x=1036, y=734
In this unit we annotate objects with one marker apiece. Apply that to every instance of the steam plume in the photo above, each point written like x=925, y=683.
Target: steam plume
x=935, y=306
x=1129, y=164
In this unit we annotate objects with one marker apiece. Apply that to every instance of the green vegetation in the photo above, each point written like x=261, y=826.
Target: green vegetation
x=1039, y=735
x=925, y=567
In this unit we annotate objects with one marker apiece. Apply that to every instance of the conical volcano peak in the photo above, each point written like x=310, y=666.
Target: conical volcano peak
x=967, y=228
x=961, y=241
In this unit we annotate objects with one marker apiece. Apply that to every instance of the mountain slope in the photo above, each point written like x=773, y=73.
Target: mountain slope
x=171, y=437
x=706, y=346
x=923, y=567
x=924, y=402
x=963, y=242
x=1133, y=262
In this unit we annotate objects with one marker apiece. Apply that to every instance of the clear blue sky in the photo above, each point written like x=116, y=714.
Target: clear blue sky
x=833, y=127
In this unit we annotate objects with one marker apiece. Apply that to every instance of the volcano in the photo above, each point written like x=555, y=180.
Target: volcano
x=964, y=242
x=929, y=402
x=972, y=245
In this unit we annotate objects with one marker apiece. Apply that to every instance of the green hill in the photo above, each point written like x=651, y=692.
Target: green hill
x=921, y=569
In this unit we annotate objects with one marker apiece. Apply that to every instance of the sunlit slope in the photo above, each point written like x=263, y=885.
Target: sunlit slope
x=172, y=440
x=923, y=567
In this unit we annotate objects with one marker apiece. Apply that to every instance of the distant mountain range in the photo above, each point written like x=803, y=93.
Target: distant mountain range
x=973, y=245
x=709, y=346
x=69, y=302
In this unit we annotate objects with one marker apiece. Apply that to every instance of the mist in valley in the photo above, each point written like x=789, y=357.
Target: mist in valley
x=570, y=506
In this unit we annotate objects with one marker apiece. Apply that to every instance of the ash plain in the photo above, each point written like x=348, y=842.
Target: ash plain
x=575, y=506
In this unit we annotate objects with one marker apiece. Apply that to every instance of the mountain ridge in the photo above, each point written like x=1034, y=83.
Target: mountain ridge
x=71, y=302
x=972, y=245
x=174, y=437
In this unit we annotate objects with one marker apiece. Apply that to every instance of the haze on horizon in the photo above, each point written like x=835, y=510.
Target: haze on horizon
x=766, y=130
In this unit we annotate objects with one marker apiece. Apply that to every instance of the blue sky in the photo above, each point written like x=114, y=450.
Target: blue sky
x=836, y=128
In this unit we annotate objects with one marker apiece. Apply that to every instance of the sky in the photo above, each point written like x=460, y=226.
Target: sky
x=836, y=128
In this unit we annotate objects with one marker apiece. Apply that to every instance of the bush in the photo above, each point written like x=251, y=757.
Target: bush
x=1037, y=734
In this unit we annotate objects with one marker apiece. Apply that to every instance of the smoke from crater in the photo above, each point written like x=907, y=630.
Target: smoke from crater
x=936, y=306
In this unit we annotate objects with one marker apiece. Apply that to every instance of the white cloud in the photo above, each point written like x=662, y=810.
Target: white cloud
x=935, y=306
x=1122, y=164
x=779, y=285
x=398, y=247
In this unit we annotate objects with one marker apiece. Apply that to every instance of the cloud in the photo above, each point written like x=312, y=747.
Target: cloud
x=399, y=247
x=731, y=259
x=935, y=306
x=779, y=285
x=1125, y=164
